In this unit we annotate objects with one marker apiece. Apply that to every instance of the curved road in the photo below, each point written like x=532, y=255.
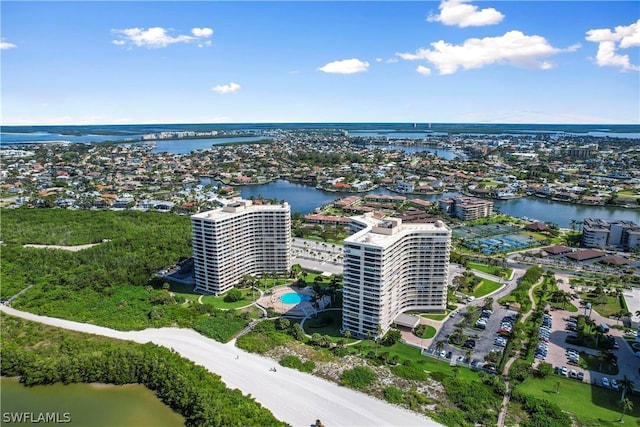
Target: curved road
x=292, y=396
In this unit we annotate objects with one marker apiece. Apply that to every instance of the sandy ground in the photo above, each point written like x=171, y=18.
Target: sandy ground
x=294, y=397
x=64, y=248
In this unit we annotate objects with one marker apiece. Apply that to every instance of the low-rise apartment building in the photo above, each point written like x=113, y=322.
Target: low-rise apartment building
x=467, y=208
x=600, y=233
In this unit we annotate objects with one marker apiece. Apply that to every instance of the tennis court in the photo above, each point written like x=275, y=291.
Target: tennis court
x=493, y=238
x=483, y=231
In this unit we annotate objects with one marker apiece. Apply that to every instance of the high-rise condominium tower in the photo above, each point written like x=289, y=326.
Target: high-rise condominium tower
x=391, y=268
x=238, y=239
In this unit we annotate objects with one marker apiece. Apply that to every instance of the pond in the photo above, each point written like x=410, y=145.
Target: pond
x=82, y=405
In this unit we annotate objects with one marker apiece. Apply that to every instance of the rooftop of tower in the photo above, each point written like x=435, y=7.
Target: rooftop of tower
x=240, y=206
x=382, y=232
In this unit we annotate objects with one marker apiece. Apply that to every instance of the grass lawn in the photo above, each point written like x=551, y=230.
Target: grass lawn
x=486, y=287
x=430, y=332
x=185, y=291
x=496, y=271
x=327, y=323
x=594, y=406
x=610, y=307
x=218, y=302
x=268, y=283
x=629, y=194
x=435, y=316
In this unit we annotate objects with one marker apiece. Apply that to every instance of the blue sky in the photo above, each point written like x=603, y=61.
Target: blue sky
x=238, y=62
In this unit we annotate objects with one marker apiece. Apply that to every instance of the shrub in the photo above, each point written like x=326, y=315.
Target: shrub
x=283, y=324
x=298, y=332
x=409, y=372
x=233, y=295
x=391, y=337
x=392, y=394
x=358, y=377
x=295, y=363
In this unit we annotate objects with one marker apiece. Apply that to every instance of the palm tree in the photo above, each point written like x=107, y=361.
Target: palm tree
x=378, y=337
x=619, y=315
x=626, y=405
x=467, y=355
x=626, y=385
x=602, y=357
x=439, y=347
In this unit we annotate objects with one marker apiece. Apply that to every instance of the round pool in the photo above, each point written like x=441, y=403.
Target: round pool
x=294, y=298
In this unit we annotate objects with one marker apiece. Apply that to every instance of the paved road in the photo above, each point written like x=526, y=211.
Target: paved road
x=292, y=396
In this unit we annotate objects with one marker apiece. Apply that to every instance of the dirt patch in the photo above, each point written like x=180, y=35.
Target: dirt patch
x=64, y=248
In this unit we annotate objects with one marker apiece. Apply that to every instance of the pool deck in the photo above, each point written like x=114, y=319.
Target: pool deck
x=301, y=309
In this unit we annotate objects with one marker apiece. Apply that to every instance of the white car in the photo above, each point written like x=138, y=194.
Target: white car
x=614, y=384
x=564, y=371
x=605, y=382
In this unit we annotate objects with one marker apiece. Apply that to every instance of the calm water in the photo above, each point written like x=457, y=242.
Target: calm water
x=185, y=146
x=8, y=138
x=305, y=199
x=562, y=213
x=89, y=405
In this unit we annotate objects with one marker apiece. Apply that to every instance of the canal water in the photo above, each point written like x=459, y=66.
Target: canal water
x=93, y=405
x=305, y=199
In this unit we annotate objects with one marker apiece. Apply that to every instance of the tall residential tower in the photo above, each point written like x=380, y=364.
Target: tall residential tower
x=391, y=268
x=238, y=239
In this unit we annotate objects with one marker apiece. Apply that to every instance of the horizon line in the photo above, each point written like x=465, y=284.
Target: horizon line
x=322, y=122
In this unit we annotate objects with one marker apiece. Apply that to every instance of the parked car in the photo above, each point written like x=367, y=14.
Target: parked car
x=605, y=382
x=614, y=384
x=580, y=376
x=564, y=371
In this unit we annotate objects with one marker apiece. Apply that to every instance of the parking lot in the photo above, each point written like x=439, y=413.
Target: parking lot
x=484, y=339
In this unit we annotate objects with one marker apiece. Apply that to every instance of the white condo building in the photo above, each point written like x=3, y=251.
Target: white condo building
x=238, y=239
x=391, y=268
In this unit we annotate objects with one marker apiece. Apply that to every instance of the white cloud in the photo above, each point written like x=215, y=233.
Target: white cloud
x=423, y=70
x=462, y=14
x=573, y=47
x=514, y=48
x=157, y=37
x=230, y=88
x=609, y=42
x=6, y=45
x=346, y=66
x=202, y=32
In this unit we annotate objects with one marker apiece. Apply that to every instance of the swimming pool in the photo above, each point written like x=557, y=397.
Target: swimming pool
x=294, y=298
